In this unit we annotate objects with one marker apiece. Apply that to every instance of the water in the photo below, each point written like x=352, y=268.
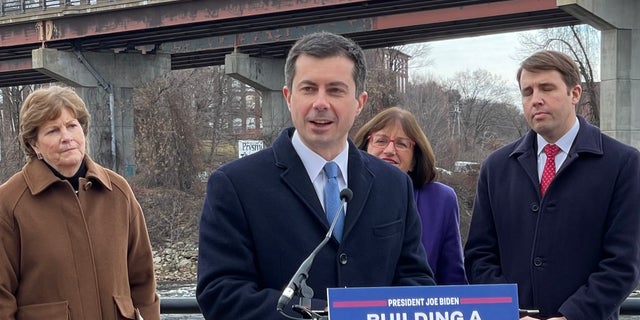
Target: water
x=179, y=290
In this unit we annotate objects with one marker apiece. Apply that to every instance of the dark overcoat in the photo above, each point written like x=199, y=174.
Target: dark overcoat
x=575, y=251
x=262, y=218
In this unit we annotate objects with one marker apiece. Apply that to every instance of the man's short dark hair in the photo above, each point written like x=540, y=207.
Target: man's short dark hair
x=325, y=45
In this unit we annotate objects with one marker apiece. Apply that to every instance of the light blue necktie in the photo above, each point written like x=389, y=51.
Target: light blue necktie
x=332, y=198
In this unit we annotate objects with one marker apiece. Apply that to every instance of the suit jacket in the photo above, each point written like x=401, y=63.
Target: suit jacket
x=261, y=218
x=575, y=251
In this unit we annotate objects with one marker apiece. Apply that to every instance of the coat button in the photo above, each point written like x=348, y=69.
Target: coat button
x=537, y=261
x=535, y=207
x=343, y=258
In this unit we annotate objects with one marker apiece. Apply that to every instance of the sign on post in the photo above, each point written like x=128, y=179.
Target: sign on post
x=247, y=147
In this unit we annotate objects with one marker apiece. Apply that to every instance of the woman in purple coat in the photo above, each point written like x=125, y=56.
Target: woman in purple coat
x=437, y=203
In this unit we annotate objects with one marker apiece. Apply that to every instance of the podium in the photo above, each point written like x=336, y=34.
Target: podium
x=456, y=302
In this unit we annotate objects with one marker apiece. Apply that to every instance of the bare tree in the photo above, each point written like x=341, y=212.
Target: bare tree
x=232, y=111
x=582, y=42
x=420, y=54
x=172, y=215
x=484, y=112
x=11, y=156
x=167, y=147
x=386, y=67
x=387, y=79
x=429, y=102
x=213, y=93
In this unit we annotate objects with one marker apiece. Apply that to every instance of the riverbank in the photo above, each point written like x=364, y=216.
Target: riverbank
x=177, y=263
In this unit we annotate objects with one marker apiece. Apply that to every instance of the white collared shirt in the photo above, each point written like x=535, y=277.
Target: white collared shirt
x=314, y=164
x=564, y=143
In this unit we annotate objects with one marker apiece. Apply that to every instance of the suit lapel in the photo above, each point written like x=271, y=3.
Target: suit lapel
x=295, y=176
x=588, y=140
x=360, y=181
x=525, y=151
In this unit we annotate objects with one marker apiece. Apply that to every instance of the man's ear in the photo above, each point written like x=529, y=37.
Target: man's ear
x=362, y=99
x=287, y=96
x=576, y=92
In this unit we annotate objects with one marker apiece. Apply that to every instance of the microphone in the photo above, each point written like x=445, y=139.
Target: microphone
x=301, y=274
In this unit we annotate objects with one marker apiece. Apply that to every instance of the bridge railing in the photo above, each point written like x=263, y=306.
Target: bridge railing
x=8, y=7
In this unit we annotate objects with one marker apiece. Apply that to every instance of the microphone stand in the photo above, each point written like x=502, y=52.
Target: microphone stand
x=306, y=293
x=298, y=283
x=310, y=314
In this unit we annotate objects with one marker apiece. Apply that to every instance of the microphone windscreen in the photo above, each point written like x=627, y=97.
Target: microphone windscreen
x=346, y=194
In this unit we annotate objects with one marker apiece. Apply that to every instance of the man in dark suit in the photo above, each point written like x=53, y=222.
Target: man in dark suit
x=558, y=211
x=264, y=213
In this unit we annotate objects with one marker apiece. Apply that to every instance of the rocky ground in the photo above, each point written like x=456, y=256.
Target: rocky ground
x=176, y=263
x=172, y=221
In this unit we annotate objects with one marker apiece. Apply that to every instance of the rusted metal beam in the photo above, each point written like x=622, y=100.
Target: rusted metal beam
x=475, y=11
x=380, y=23
x=16, y=65
x=266, y=37
x=221, y=31
x=74, y=23
x=384, y=30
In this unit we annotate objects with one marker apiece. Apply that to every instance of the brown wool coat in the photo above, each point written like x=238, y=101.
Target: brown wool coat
x=62, y=256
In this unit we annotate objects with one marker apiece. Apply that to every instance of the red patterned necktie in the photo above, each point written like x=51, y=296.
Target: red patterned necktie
x=549, y=170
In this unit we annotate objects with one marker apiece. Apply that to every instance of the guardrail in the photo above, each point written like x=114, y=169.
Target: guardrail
x=631, y=306
x=188, y=305
x=179, y=305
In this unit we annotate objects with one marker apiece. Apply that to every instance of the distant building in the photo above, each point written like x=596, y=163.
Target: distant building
x=390, y=61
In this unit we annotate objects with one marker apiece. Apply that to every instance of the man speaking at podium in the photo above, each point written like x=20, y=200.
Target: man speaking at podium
x=265, y=213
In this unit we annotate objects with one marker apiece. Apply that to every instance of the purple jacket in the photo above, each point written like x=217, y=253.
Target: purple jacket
x=438, y=207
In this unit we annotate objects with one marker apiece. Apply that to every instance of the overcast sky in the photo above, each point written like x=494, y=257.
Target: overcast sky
x=498, y=54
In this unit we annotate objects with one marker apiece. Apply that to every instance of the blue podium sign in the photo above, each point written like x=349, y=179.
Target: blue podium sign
x=471, y=302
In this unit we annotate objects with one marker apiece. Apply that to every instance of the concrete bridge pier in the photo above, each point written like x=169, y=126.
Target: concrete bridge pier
x=106, y=83
x=266, y=76
x=619, y=23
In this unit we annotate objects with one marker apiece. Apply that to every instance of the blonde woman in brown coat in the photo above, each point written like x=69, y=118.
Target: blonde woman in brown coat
x=74, y=243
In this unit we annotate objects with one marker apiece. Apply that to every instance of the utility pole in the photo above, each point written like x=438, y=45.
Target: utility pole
x=456, y=121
